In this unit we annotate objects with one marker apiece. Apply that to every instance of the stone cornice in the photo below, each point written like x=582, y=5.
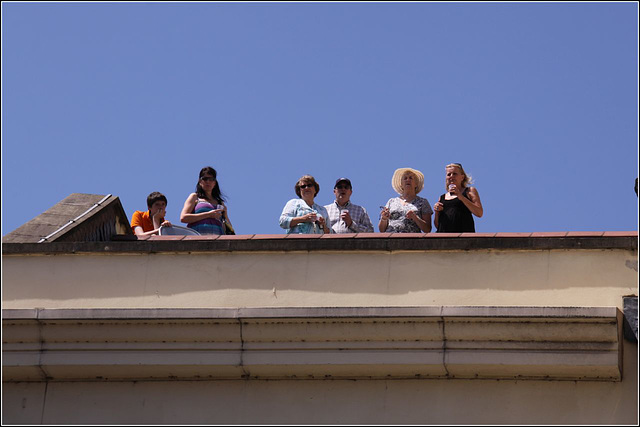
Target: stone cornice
x=561, y=343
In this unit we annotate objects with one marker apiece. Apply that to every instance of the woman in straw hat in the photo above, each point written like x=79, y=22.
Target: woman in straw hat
x=455, y=208
x=407, y=213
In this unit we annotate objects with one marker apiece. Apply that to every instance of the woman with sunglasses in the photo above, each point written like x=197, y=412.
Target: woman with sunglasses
x=455, y=209
x=204, y=210
x=303, y=215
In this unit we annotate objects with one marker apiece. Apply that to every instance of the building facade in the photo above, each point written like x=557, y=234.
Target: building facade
x=517, y=328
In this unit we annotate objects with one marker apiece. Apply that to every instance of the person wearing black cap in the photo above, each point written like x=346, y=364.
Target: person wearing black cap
x=344, y=216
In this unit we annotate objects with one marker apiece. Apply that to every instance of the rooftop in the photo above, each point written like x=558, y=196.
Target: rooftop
x=98, y=223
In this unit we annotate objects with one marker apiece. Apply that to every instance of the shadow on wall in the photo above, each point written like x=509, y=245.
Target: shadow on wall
x=387, y=273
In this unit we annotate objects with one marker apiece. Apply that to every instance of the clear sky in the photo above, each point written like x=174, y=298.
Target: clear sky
x=538, y=101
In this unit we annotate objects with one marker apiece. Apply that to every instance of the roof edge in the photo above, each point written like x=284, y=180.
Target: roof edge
x=357, y=242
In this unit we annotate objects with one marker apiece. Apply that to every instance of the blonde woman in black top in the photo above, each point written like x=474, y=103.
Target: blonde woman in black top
x=455, y=209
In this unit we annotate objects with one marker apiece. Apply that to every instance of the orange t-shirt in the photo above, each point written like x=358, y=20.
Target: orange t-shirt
x=142, y=219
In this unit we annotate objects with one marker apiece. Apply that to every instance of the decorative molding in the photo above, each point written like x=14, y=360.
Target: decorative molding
x=551, y=343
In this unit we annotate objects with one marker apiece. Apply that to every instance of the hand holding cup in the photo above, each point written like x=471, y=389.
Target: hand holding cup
x=217, y=212
x=346, y=217
x=385, y=214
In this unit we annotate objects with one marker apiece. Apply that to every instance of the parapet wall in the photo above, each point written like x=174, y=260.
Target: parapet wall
x=589, y=270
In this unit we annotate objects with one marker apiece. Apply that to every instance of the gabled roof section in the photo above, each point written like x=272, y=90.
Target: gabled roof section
x=78, y=218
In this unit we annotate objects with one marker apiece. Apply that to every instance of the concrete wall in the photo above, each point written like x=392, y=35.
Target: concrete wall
x=322, y=279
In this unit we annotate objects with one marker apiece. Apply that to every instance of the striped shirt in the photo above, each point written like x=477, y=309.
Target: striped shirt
x=361, y=222
x=207, y=225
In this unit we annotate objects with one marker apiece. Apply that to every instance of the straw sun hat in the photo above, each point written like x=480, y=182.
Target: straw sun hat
x=396, y=181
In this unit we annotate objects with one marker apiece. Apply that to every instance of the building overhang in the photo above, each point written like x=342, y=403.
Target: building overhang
x=540, y=343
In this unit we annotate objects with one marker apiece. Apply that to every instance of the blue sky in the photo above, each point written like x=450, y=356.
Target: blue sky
x=538, y=101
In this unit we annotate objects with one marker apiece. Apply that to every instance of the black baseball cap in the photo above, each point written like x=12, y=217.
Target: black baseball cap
x=343, y=180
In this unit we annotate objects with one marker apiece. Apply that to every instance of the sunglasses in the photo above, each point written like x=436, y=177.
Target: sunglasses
x=303, y=186
x=207, y=179
x=343, y=187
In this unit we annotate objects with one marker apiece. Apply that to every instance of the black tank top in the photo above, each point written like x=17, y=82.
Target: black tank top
x=455, y=217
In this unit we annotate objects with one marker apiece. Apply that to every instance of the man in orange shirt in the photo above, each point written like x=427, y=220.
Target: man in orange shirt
x=149, y=222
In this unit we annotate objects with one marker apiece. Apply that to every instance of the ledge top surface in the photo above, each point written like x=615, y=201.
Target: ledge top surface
x=338, y=242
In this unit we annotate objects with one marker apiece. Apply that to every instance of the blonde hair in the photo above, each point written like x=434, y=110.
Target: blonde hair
x=467, y=178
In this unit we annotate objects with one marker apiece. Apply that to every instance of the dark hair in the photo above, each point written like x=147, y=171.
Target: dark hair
x=309, y=179
x=216, y=193
x=155, y=197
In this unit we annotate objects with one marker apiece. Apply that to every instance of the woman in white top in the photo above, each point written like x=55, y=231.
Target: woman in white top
x=407, y=213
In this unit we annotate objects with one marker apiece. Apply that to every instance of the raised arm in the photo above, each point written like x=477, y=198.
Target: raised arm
x=472, y=203
x=385, y=214
x=157, y=220
x=138, y=230
x=437, y=208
